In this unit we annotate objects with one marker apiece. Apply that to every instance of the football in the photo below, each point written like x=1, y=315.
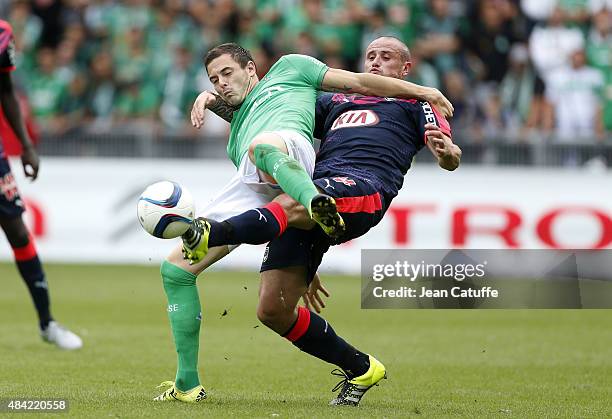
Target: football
x=165, y=209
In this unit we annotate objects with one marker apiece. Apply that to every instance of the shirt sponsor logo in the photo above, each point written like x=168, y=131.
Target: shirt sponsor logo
x=11, y=53
x=430, y=118
x=347, y=181
x=350, y=119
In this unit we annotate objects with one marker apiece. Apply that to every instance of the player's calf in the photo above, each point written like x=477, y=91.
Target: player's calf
x=297, y=215
x=279, y=294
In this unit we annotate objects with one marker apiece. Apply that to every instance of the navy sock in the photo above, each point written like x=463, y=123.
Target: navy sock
x=256, y=226
x=312, y=334
x=31, y=271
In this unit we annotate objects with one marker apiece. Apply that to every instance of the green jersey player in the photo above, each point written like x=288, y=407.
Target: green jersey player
x=272, y=122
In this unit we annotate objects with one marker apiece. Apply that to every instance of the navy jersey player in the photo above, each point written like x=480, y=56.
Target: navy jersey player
x=368, y=144
x=11, y=205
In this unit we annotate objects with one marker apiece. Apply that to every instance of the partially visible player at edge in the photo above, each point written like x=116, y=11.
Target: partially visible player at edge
x=270, y=143
x=11, y=205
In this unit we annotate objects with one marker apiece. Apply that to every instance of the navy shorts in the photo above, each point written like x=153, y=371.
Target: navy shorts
x=360, y=204
x=11, y=205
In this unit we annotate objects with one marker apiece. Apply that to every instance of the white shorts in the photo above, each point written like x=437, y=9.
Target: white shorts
x=246, y=190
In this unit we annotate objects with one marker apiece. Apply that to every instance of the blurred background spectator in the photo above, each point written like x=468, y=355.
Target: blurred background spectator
x=552, y=42
x=575, y=91
x=516, y=70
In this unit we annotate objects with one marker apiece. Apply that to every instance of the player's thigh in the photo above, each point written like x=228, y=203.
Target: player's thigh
x=280, y=291
x=242, y=193
x=290, y=249
x=15, y=230
x=214, y=254
x=11, y=207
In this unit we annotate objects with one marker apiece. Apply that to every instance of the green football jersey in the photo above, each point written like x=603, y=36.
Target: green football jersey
x=283, y=100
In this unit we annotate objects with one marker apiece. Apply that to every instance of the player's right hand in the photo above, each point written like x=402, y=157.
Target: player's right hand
x=437, y=99
x=312, y=299
x=202, y=102
x=30, y=161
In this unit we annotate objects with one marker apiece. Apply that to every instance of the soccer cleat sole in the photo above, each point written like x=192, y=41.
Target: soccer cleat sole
x=360, y=392
x=354, y=390
x=325, y=213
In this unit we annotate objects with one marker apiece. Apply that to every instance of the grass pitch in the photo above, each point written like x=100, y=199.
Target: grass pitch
x=489, y=363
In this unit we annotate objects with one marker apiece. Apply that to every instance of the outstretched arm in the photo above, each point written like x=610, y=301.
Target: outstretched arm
x=337, y=80
x=10, y=106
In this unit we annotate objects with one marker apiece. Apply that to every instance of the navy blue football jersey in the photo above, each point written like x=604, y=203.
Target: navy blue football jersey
x=7, y=55
x=373, y=138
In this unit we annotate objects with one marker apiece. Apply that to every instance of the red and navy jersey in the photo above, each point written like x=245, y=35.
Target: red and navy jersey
x=7, y=55
x=7, y=47
x=373, y=138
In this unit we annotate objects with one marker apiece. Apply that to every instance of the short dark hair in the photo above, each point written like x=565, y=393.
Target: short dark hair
x=241, y=55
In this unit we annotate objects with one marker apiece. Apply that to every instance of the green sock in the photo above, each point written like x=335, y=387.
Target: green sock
x=185, y=316
x=287, y=172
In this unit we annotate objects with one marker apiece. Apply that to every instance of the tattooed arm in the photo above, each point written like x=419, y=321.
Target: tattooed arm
x=223, y=109
x=337, y=80
x=213, y=102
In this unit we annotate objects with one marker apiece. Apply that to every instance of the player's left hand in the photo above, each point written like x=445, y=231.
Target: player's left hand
x=437, y=99
x=30, y=161
x=440, y=142
x=441, y=145
x=312, y=298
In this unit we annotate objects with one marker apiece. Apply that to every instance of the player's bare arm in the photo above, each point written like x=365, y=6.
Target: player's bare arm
x=213, y=102
x=442, y=147
x=10, y=105
x=337, y=80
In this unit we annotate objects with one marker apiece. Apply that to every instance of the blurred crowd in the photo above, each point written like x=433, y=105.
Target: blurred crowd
x=514, y=69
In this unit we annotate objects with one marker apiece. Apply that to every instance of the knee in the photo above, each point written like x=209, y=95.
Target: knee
x=20, y=239
x=267, y=314
x=175, y=258
x=273, y=316
x=259, y=149
x=265, y=143
x=16, y=232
